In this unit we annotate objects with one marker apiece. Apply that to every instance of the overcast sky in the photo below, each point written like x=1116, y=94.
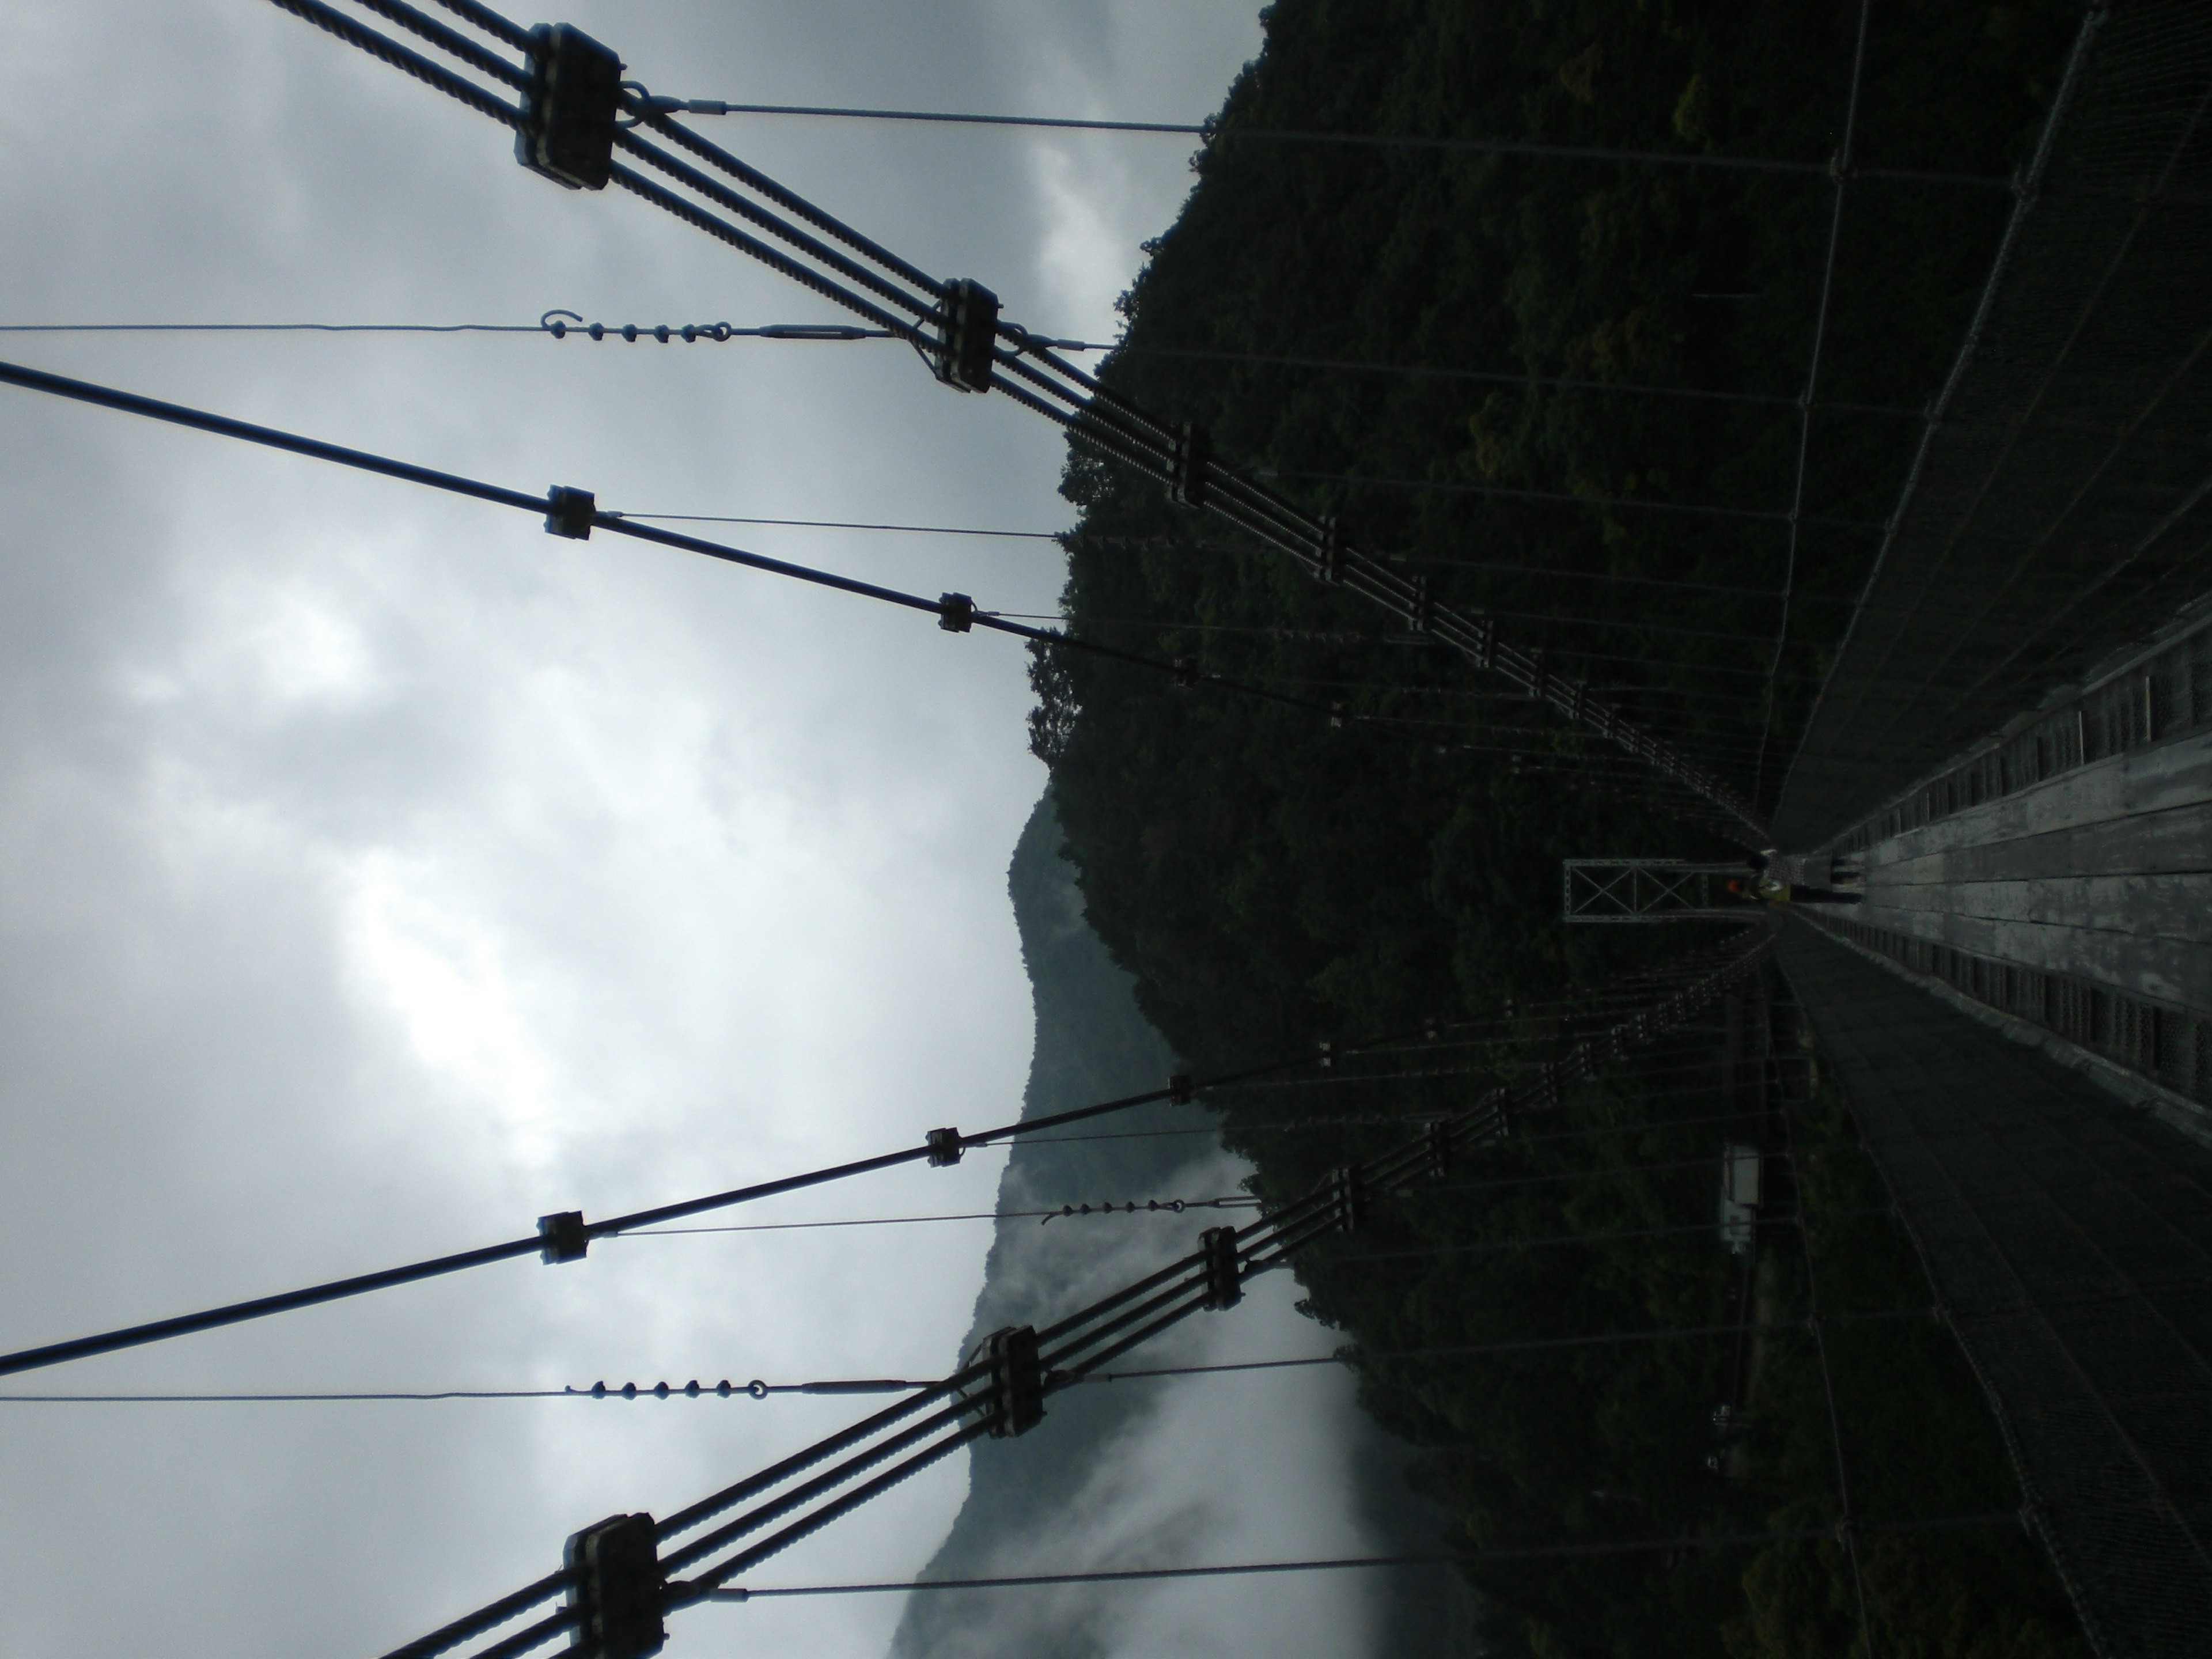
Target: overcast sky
x=381, y=872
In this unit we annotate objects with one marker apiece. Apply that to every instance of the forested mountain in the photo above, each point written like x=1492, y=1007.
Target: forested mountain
x=1567, y=390
x=1020, y=1516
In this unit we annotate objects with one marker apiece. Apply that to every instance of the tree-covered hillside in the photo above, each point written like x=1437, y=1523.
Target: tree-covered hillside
x=1586, y=424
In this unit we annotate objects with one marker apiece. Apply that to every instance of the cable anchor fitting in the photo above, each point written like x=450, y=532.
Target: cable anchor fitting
x=1347, y=1197
x=1192, y=452
x=1332, y=551
x=945, y=1148
x=615, y=1589
x=1421, y=607
x=1013, y=1396
x=567, y=132
x=955, y=612
x=963, y=352
x=1225, y=1277
x=563, y=1238
x=570, y=512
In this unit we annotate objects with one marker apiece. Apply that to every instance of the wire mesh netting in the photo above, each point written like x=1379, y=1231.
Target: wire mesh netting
x=2058, y=506
x=2070, y=1242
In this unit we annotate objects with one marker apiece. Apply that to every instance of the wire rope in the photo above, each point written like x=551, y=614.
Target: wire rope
x=1095, y=415
x=1218, y=133
x=1684, y=1544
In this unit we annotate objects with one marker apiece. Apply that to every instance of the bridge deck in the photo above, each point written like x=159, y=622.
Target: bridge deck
x=2103, y=873
x=2070, y=1238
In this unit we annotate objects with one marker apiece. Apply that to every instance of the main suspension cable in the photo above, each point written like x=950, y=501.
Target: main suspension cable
x=974, y=349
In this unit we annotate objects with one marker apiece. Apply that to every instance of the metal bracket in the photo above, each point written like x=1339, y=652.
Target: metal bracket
x=616, y=1586
x=569, y=512
x=1421, y=611
x=945, y=1148
x=1225, y=1287
x=1440, y=1149
x=1332, y=551
x=1347, y=1197
x=1181, y=1091
x=565, y=1237
x=955, y=612
x=568, y=109
x=1192, y=455
x=965, y=343
x=1014, y=1404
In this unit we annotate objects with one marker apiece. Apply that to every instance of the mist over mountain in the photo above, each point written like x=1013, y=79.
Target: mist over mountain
x=1168, y=1472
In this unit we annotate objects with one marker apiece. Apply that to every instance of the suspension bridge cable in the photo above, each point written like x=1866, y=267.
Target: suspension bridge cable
x=1217, y=132
x=1019, y=365
x=562, y=324
x=1129, y=1207
x=894, y=1443
x=270, y=328
x=223, y=426
x=1556, y=1241
x=573, y=513
x=1797, y=487
x=1359, y=637
x=1569, y=498
x=1846, y=1524
x=564, y=1237
x=758, y=1389
x=1689, y=1543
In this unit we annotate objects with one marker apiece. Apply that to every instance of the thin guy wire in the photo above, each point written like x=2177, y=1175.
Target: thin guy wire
x=1529, y=1553
x=1805, y=414
x=1215, y=133
x=1100, y=418
x=1846, y=1527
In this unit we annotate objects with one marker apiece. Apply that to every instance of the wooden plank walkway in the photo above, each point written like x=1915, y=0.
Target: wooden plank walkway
x=2069, y=1239
x=2103, y=873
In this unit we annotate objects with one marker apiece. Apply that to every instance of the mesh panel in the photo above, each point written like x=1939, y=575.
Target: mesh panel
x=2070, y=1242
x=2062, y=502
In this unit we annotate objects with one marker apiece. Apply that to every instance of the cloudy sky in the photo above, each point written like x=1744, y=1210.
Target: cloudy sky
x=381, y=872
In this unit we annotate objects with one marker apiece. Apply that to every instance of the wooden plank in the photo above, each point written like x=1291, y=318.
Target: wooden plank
x=2175, y=971
x=2152, y=907
x=2174, y=841
x=2173, y=774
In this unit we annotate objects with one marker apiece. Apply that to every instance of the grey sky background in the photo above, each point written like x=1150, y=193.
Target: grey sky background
x=380, y=872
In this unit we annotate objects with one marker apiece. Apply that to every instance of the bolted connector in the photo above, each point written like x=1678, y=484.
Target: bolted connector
x=963, y=354
x=614, y=1586
x=563, y=1237
x=945, y=1148
x=1325, y=1053
x=1336, y=715
x=1225, y=1285
x=1187, y=675
x=1192, y=453
x=1015, y=1401
x=955, y=612
x=569, y=512
x=1332, y=551
x=568, y=109
x=1181, y=1091
x=1421, y=611
x=1439, y=1148
x=1347, y=1196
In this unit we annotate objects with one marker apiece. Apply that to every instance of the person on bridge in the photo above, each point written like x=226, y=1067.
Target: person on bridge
x=1765, y=890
